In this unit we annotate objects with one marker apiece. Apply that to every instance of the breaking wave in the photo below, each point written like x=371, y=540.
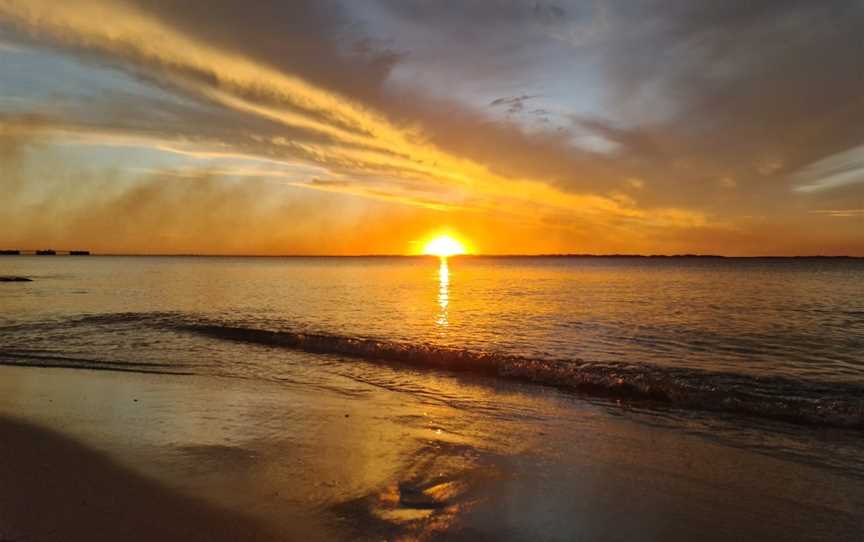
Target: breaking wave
x=779, y=398
x=770, y=397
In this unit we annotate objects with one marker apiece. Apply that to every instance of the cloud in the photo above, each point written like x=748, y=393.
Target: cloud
x=537, y=123
x=841, y=169
x=513, y=104
x=690, y=91
x=189, y=210
x=635, y=182
x=353, y=139
x=841, y=213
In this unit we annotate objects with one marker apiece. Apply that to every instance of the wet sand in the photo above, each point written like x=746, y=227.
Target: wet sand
x=89, y=455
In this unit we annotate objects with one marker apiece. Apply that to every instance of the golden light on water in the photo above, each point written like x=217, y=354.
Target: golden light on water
x=443, y=293
x=444, y=246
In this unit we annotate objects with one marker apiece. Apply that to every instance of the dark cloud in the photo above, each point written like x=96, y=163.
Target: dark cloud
x=740, y=82
x=695, y=92
x=312, y=38
x=513, y=104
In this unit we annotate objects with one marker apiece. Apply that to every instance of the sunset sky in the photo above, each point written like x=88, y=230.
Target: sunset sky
x=365, y=126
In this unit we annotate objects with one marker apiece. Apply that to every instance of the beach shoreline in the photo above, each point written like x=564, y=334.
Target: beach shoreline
x=98, y=455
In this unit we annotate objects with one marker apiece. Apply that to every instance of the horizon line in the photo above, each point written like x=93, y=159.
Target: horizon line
x=472, y=255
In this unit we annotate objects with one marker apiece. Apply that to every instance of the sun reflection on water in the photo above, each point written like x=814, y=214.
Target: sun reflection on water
x=443, y=292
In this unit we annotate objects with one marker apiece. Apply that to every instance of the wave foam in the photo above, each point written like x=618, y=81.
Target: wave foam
x=777, y=398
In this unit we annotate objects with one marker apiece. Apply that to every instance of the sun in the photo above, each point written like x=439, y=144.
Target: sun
x=444, y=246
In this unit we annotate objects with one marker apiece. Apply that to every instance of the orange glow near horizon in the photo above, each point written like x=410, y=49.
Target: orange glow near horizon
x=444, y=246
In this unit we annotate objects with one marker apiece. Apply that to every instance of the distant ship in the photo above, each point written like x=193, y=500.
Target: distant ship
x=79, y=252
x=46, y=252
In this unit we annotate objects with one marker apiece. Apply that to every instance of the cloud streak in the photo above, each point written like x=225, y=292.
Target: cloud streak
x=652, y=126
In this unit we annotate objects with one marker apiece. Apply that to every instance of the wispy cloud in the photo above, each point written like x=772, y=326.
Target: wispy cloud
x=355, y=139
x=841, y=213
x=835, y=171
x=628, y=124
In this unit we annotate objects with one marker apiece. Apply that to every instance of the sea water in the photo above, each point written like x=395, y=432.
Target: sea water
x=508, y=359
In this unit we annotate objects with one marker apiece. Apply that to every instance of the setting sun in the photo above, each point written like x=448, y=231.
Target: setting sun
x=444, y=245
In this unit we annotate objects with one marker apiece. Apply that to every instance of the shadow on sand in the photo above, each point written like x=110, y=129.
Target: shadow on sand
x=53, y=488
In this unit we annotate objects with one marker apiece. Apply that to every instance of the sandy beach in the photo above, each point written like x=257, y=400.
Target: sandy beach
x=198, y=458
x=55, y=488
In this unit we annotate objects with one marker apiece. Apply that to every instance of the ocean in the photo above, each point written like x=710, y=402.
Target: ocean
x=759, y=356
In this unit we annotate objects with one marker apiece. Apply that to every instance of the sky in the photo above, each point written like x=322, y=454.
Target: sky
x=367, y=126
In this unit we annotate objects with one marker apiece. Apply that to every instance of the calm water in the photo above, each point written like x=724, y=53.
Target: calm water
x=778, y=317
x=795, y=318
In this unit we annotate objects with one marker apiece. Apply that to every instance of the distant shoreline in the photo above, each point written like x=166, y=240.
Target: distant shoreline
x=509, y=256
